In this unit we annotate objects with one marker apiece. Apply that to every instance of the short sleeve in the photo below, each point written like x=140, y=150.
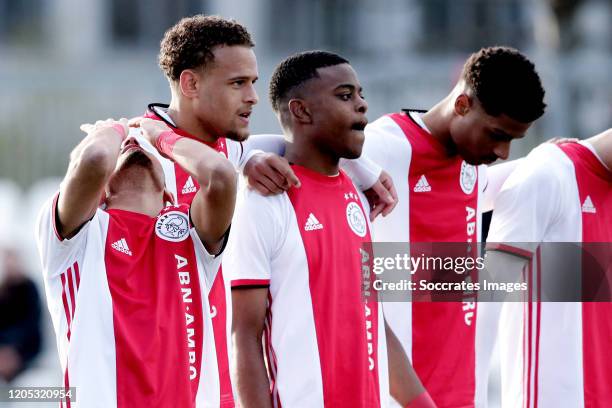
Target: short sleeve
x=528, y=203
x=258, y=229
x=493, y=178
x=56, y=253
x=382, y=139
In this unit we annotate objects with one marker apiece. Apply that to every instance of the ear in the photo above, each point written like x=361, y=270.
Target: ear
x=189, y=83
x=463, y=104
x=299, y=111
x=168, y=197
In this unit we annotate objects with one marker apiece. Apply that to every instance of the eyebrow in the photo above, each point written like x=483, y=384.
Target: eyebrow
x=349, y=86
x=243, y=78
x=503, y=134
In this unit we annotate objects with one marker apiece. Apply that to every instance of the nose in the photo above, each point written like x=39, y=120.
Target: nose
x=251, y=95
x=129, y=141
x=362, y=105
x=502, y=150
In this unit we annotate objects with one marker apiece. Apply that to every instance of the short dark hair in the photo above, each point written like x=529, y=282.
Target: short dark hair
x=190, y=42
x=297, y=69
x=505, y=82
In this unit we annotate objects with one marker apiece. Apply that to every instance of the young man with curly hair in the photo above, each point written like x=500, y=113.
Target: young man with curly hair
x=211, y=68
x=436, y=159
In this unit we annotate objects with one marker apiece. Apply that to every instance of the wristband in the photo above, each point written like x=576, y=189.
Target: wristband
x=120, y=129
x=422, y=401
x=165, y=143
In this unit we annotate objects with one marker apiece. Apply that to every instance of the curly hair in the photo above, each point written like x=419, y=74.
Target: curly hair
x=190, y=42
x=297, y=69
x=505, y=82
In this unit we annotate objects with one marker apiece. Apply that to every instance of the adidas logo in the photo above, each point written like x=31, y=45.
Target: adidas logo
x=422, y=185
x=588, y=207
x=312, y=223
x=189, y=187
x=122, y=246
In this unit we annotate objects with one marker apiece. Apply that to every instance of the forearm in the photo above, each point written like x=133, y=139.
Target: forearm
x=404, y=384
x=91, y=165
x=363, y=171
x=207, y=166
x=96, y=156
x=252, y=383
x=267, y=143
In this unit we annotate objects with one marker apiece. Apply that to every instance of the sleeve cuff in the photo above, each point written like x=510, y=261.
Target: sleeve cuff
x=250, y=282
x=510, y=249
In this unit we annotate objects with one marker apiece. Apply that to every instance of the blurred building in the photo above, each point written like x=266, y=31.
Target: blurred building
x=65, y=62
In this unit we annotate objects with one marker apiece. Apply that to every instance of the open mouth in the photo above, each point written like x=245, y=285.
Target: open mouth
x=360, y=126
x=245, y=115
x=130, y=147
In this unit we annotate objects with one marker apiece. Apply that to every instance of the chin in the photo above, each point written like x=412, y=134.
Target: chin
x=352, y=154
x=238, y=136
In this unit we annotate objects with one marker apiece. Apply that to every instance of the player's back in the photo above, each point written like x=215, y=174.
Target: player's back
x=557, y=202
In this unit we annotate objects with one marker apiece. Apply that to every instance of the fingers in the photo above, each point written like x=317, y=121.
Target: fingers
x=270, y=174
x=135, y=121
x=271, y=181
x=260, y=188
x=87, y=127
x=376, y=210
x=561, y=140
x=282, y=166
x=382, y=196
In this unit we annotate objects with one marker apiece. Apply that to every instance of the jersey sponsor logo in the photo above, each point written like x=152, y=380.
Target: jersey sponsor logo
x=356, y=219
x=469, y=307
x=369, y=338
x=189, y=187
x=122, y=246
x=422, y=186
x=312, y=223
x=467, y=177
x=588, y=207
x=172, y=226
x=184, y=278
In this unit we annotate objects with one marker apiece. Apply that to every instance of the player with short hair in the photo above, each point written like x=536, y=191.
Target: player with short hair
x=211, y=68
x=127, y=282
x=296, y=261
x=435, y=159
x=556, y=353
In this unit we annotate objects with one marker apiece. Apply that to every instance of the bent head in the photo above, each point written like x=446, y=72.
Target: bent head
x=210, y=64
x=317, y=96
x=137, y=170
x=496, y=100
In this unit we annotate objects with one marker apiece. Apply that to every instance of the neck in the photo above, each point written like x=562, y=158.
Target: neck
x=142, y=202
x=438, y=119
x=602, y=143
x=307, y=155
x=182, y=115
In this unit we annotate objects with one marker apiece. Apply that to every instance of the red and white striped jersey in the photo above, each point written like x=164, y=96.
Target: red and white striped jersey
x=324, y=342
x=441, y=199
x=184, y=187
x=555, y=354
x=128, y=300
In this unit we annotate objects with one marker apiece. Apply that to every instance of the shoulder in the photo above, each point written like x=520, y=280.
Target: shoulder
x=544, y=165
x=384, y=125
